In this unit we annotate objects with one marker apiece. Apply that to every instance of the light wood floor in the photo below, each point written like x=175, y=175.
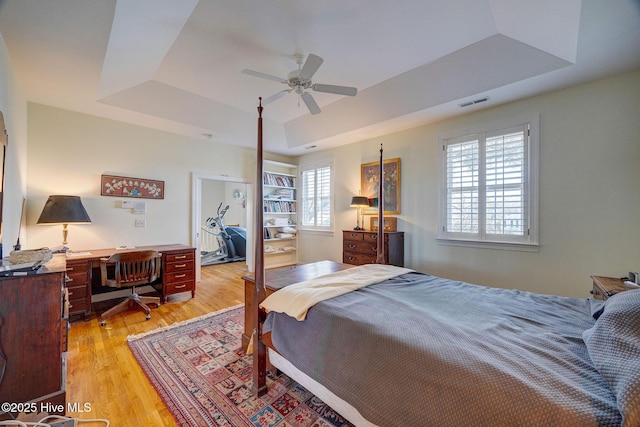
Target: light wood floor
x=103, y=374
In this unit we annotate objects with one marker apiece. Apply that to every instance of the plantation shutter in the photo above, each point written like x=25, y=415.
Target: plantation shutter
x=486, y=186
x=505, y=175
x=316, y=197
x=462, y=186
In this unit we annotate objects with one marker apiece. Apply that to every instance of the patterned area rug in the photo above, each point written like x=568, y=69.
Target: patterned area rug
x=204, y=377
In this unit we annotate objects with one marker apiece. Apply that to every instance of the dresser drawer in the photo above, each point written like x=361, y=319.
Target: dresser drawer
x=363, y=247
x=77, y=266
x=373, y=238
x=77, y=292
x=183, y=276
x=174, y=288
x=352, y=236
x=77, y=273
x=77, y=306
x=178, y=257
x=179, y=266
x=357, y=258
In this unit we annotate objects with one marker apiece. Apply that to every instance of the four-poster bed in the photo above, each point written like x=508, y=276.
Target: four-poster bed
x=408, y=348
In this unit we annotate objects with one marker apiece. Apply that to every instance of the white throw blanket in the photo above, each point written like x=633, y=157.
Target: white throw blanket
x=295, y=300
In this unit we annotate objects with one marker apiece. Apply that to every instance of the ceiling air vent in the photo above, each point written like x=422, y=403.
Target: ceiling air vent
x=475, y=101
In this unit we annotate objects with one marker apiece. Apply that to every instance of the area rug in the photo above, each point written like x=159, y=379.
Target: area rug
x=204, y=377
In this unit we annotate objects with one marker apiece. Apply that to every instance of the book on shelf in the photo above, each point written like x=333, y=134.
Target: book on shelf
x=278, y=180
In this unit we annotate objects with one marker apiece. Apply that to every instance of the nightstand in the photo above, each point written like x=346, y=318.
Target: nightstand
x=604, y=287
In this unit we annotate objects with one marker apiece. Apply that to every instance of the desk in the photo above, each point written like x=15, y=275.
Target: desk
x=278, y=278
x=83, y=274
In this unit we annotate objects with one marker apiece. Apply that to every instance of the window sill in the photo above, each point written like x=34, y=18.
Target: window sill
x=506, y=246
x=317, y=231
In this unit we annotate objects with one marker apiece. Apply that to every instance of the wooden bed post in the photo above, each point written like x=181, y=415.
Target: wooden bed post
x=380, y=248
x=259, y=350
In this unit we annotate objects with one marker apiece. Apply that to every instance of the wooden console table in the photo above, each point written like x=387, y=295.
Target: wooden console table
x=33, y=340
x=278, y=278
x=83, y=273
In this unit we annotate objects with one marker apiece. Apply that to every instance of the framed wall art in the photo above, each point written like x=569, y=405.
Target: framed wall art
x=122, y=186
x=370, y=175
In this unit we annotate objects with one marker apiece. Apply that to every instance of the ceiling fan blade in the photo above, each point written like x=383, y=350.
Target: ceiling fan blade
x=340, y=90
x=275, y=97
x=310, y=66
x=311, y=103
x=264, y=76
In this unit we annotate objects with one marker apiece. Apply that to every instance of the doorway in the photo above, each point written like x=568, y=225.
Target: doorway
x=208, y=192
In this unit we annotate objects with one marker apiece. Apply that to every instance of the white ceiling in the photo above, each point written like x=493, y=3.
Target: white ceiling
x=175, y=65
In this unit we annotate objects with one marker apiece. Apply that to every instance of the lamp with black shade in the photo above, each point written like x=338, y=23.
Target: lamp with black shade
x=359, y=202
x=64, y=210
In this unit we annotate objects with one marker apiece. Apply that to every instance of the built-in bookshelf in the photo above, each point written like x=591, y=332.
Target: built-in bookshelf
x=280, y=214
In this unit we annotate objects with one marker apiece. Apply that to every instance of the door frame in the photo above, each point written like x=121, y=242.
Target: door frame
x=196, y=216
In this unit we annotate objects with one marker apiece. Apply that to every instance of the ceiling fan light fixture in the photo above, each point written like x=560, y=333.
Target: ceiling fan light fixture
x=300, y=80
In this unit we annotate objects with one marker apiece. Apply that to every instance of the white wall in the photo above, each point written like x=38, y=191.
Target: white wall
x=68, y=152
x=589, y=193
x=14, y=108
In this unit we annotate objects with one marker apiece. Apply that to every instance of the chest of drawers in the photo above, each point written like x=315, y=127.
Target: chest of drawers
x=361, y=247
x=178, y=272
x=78, y=283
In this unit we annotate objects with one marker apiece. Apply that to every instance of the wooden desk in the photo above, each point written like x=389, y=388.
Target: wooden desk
x=33, y=338
x=83, y=274
x=278, y=278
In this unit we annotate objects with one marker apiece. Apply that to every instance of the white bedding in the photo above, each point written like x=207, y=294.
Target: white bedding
x=295, y=300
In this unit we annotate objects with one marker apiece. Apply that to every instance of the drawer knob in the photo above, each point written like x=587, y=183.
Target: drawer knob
x=181, y=286
x=180, y=257
x=180, y=276
x=181, y=266
x=352, y=246
x=351, y=258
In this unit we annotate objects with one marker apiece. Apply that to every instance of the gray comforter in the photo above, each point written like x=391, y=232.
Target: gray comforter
x=419, y=350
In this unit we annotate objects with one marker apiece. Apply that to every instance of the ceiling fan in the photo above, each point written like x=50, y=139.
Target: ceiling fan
x=300, y=80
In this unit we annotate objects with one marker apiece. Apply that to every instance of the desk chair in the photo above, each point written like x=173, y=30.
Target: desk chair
x=130, y=269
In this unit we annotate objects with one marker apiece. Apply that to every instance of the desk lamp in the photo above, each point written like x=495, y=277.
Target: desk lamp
x=64, y=210
x=359, y=202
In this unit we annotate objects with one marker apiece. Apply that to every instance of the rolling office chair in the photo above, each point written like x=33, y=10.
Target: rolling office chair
x=130, y=269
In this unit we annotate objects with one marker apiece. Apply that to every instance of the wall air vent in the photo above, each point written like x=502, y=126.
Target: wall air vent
x=475, y=101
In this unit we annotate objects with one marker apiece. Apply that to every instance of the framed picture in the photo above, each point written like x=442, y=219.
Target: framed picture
x=390, y=224
x=122, y=186
x=369, y=176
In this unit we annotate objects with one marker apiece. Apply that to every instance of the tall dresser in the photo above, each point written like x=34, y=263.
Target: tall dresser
x=361, y=247
x=33, y=339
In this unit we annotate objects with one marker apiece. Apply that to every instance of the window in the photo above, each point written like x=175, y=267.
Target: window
x=316, y=212
x=489, y=187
